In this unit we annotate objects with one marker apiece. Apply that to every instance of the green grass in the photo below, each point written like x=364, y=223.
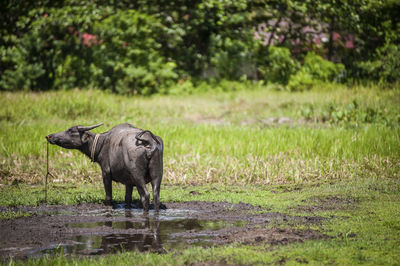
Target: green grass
x=213, y=138
x=9, y=215
x=224, y=146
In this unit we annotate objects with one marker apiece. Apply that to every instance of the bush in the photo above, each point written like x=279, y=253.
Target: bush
x=50, y=53
x=88, y=46
x=183, y=87
x=315, y=70
x=301, y=81
x=385, y=67
x=232, y=58
x=23, y=75
x=127, y=58
x=321, y=69
x=279, y=66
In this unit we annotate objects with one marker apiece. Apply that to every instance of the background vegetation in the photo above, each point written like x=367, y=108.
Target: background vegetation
x=146, y=47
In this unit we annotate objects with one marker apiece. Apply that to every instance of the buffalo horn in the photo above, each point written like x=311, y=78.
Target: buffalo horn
x=82, y=128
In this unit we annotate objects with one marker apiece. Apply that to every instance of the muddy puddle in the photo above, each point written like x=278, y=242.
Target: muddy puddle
x=94, y=229
x=152, y=232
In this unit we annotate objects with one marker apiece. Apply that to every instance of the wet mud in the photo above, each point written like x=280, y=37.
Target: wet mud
x=331, y=203
x=95, y=229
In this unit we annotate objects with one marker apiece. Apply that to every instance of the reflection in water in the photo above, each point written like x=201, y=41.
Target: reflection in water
x=141, y=232
x=147, y=239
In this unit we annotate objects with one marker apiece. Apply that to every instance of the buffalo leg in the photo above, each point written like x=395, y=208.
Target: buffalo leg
x=108, y=188
x=155, y=183
x=144, y=195
x=156, y=173
x=128, y=195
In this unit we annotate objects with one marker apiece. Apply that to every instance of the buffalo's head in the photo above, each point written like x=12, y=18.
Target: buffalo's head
x=72, y=138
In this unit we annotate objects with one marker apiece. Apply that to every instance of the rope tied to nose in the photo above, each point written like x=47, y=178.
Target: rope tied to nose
x=47, y=174
x=93, y=149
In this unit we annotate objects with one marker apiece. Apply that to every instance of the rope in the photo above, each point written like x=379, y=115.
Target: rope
x=94, y=147
x=47, y=174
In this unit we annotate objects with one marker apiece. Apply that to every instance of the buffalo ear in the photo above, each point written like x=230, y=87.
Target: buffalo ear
x=85, y=137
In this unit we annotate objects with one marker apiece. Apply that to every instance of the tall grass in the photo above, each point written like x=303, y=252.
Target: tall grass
x=209, y=138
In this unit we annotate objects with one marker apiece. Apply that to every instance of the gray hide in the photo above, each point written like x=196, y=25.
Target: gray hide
x=126, y=154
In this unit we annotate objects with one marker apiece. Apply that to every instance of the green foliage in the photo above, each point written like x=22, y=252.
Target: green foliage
x=385, y=67
x=79, y=46
x=314, y=70
x=232, y=58
x=145, y=47
x=279, y=66
x=321, y=69
x=301, y=81
x=183, y=87
x=187, y=87
x=127, y=59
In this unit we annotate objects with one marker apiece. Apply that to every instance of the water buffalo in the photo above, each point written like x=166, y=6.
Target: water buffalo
x=125, y=154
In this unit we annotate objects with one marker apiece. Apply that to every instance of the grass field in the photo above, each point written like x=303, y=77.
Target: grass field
x=275, y=149
x=251, y=137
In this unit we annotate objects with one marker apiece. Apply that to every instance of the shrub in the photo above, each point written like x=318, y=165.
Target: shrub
x=279, y=66
x=321, y=69
x=23, y=75
x=301, y=81
x=385, y=67
x=232, y=58
x=315, y=70
x=50, y=53
x=128, y=59
x=183, y=87
x=80, y=46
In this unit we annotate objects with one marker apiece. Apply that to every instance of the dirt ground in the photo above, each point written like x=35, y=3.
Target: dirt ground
x=95, y=229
